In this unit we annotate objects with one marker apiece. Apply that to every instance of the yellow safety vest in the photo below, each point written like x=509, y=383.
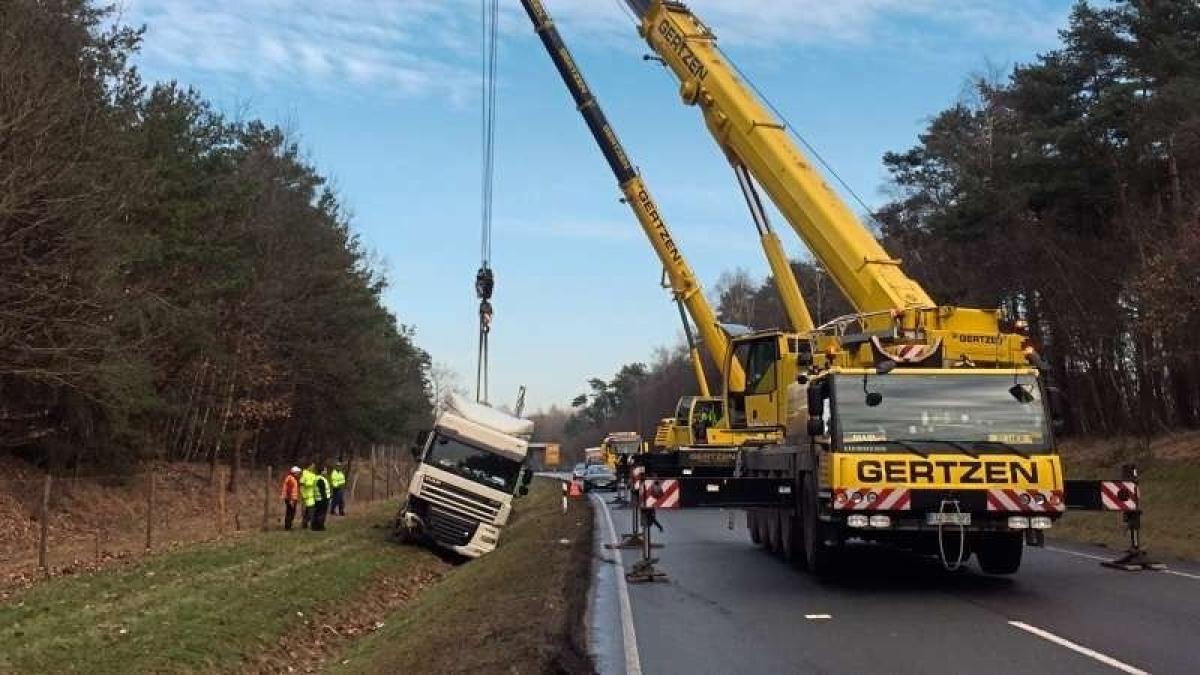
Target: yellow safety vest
x=317, y=490
x=308, y=487
x=337, y=479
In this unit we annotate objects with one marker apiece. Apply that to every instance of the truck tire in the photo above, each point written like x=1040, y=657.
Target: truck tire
x=818, y=556
x=1000, y=553
x=790, y=535
x=752, y=519
x=774, y=535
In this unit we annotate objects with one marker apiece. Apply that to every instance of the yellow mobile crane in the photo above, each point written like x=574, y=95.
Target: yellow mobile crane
x=918, y=424
x=680, y=278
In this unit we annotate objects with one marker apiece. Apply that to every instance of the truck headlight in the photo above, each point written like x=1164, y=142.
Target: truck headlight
x=881, y=521
x=1018, y=523
x=857, y=520
x=1040, y=522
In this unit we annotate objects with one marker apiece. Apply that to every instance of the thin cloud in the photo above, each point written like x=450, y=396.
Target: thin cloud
x=406, y=48
x=430, y=48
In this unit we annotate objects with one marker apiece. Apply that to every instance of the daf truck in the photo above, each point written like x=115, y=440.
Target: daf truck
x=470, y=467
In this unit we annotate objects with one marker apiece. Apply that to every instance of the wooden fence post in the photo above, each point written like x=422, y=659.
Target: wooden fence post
x=220, y=500
x=373, y=472
x=267, y=501
x=149, y=508
x=387, y=469
x=43, y=544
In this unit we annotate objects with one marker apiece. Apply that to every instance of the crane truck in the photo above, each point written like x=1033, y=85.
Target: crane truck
x=923, y=425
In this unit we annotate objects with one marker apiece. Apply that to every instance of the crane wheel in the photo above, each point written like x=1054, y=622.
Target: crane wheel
x=752, y=519
x=1000, y=553
x=774, y=535
x=790, y=535
x=818, y=556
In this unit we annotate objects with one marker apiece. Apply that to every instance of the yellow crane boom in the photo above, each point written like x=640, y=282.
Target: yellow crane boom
x=683, y=282
x=748, y=131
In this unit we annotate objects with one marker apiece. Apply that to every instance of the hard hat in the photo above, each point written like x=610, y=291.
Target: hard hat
x=295, y=469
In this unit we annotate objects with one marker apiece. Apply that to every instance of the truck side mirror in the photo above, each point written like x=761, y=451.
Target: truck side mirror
x=816, y=426
x=523, y=490
x=526, y=476
x=416, y=451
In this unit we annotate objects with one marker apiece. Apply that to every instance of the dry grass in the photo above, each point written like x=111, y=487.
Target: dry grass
x=96, y=520
x=212, y=607
x=1170, y=484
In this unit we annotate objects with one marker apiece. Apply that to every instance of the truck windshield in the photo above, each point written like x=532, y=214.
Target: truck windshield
x=983, y=413
x=495, y=471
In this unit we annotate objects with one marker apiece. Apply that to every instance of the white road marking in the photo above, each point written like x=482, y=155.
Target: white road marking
x=1090, y=653
x=1182, y=574
x=1077, y=554
x=1089, y=556
x=633, y=662
x=815, y=617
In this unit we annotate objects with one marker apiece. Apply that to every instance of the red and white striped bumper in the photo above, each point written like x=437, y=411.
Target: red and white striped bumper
x=1025, y=501
x=868, y=499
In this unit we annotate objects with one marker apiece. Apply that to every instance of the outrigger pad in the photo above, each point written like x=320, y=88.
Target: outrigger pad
x=1135, y=560
x=644, y=571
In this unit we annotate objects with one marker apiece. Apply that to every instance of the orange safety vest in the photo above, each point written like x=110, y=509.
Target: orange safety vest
x=291, y=488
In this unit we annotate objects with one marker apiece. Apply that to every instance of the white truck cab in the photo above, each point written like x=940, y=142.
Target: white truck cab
x=470, y=467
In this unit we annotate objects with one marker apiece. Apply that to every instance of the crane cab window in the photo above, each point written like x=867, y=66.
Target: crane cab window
x=712, y=410
x=683, y=410
x=758, y=362
x=757, y=359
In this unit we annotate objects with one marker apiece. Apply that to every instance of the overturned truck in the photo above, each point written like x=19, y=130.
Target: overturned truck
x=470, y=466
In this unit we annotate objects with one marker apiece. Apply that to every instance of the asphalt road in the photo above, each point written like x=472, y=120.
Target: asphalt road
x=730, y=607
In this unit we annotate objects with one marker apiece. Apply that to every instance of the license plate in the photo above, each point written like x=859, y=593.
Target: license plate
x=948, y=518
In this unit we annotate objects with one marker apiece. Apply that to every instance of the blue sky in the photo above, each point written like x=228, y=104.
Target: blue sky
x=383, y=95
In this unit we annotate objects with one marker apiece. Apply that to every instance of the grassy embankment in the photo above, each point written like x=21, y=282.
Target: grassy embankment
x=1170, y=485
x=207, y=607
x=305, y=600
x=518, y=610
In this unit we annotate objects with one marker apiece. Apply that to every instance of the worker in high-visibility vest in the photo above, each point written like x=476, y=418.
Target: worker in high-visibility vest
x=308, y=492
x=290, y=493
x=321, y=500
x=337, y=481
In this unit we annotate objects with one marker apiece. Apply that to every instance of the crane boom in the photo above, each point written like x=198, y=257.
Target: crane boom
x=682, y=280
x=747, y=130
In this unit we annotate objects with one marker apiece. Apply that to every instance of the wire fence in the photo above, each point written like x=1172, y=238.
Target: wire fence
x=60, y=523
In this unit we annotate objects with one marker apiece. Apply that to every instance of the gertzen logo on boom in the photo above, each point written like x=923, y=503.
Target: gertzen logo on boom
x=675, y=39
x=659, y=225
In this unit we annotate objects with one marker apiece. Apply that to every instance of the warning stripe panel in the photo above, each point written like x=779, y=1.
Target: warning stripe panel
x=885, y=499
x=1118, y=495
x=666, y=496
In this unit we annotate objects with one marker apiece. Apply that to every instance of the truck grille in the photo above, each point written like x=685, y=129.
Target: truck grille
x=458, y=501
x=448, y=528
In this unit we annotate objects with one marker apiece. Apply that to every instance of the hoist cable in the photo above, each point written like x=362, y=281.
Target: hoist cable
x=489, y=16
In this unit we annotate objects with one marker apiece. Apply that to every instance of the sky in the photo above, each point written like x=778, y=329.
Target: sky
x=384, y=96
